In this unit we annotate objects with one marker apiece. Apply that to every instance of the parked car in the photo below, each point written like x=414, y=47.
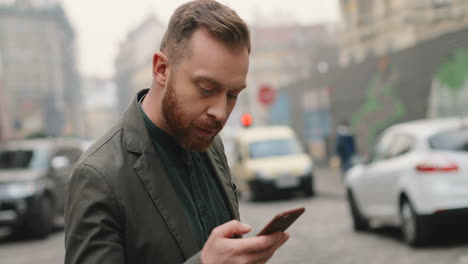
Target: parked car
x=271, y=159
x=416, y=178
x=33, y=174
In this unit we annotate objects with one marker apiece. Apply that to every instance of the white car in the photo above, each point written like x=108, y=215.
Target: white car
x=416, y=177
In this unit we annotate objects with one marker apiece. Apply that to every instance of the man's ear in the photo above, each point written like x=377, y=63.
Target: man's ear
x=160, y=68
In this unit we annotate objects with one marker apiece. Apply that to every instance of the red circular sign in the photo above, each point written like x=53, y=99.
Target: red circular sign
x=266, y=95
x=246, y=120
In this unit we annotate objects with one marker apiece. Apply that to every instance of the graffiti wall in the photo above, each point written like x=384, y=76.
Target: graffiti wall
x=427, y=80
x=449, y=91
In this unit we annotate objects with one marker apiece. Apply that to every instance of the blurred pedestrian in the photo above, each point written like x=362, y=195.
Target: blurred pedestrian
x=157, y=188
x=345, y=146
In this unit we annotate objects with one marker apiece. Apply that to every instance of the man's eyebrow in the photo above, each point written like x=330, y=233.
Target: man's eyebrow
x=239, y=89
x=208, y=80
x=215, y=83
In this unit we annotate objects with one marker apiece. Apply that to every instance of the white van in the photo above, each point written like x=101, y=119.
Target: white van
x=271, y=159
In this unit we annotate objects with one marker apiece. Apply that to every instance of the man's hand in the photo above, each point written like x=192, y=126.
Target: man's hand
x=222, y=248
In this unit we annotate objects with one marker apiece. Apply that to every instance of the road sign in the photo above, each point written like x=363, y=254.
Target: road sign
x=266, y=95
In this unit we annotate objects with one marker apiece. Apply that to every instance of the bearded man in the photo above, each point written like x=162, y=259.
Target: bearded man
x=157, y=188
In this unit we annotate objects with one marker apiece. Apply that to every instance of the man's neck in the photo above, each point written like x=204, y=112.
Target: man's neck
x=152, y=106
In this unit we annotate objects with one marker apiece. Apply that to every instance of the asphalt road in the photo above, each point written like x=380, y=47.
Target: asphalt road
x=322, y=235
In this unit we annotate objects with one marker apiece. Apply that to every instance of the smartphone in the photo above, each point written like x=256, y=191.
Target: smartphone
x=282, y=221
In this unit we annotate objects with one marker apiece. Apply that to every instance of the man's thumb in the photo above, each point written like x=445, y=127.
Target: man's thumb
x=231, y=229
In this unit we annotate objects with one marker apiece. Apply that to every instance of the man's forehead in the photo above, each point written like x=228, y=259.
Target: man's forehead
x=201, y=37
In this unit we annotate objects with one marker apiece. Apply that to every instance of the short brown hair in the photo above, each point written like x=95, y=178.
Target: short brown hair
x=220, y=20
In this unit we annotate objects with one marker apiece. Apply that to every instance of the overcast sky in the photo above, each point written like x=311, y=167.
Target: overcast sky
x=102, y=24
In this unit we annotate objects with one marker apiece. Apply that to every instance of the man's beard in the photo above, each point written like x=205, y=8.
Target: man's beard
x=181, y=124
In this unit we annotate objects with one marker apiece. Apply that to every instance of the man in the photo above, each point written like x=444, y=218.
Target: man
x=156, y=188
x=345, y=146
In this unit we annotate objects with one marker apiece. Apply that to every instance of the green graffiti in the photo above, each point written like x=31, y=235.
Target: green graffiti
x=454, y=72
x=369, y=106
x=381, y=108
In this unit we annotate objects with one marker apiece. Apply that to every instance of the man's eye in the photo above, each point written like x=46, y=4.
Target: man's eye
x=206, y=91
x=232, y=96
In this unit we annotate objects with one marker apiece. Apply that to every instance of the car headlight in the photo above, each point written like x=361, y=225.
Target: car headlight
x=309, y=168
x=261, y=175
x=20, y=189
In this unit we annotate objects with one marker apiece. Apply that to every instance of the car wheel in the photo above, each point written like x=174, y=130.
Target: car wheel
x=308, y=189
x=415, y=230
x=41, y=224
x=360, y=223
x=257, y=195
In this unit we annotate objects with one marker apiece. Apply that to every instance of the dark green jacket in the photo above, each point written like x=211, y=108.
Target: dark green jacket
x=121, y=206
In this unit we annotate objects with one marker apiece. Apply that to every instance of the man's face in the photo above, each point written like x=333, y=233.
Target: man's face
x=202, y=90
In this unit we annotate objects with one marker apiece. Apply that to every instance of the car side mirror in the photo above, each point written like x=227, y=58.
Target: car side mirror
x=59, y=162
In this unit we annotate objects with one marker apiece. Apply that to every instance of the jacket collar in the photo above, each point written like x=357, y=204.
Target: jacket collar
x=136, y=136
x=223, y=178
x=151, y=172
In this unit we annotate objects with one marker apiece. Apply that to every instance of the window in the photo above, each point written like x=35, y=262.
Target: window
x=382, y=148
x=274, y=147
x=15, y=159
x=401, y=144
x=441, y=3
x=455, y=140
x=23, y=159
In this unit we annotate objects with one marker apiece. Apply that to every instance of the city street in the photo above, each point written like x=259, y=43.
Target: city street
x=293, y=89
x=322, y=235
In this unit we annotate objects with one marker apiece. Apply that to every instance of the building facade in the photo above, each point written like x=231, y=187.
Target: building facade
x=2, y=105
x=380, y=27
x=424, y=78
x=284, y=54
x=99, y=106
x=40, y=79
x=135, y=59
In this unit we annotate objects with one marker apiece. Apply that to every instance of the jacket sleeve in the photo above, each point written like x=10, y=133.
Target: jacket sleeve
x=93, y=221
x=195, y=259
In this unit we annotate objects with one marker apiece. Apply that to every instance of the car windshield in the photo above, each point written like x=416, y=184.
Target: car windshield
x=274, y=147
x=23, y=159
x=455, y=140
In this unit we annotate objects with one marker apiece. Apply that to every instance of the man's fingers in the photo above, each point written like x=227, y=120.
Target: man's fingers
x=258, y=249
x=280, y=243
x=261, y=243
x=264, y=255
x=231, y=228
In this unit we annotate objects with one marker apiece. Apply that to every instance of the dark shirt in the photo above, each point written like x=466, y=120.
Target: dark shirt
x=192, y=178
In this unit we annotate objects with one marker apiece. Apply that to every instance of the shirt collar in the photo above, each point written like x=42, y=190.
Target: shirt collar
x=177, y=155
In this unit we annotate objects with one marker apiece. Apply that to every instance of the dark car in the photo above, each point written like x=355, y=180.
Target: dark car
x=33, y=174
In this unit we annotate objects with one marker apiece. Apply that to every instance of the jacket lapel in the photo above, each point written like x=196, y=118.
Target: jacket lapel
x=222, y=176
x=150, y=170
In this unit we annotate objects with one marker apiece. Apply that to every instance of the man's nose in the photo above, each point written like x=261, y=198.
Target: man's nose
x=218, y=110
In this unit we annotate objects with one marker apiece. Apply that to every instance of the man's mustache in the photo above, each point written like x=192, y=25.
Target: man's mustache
x=210, y=124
